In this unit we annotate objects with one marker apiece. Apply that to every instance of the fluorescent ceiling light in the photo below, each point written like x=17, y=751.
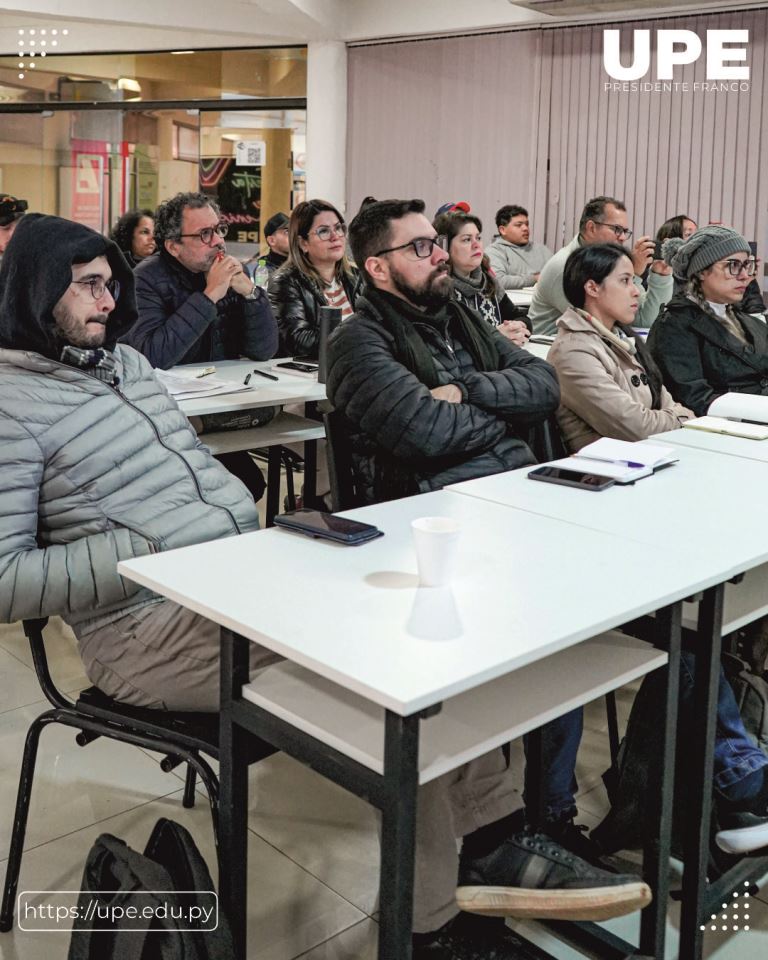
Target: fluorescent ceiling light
x=181, y=53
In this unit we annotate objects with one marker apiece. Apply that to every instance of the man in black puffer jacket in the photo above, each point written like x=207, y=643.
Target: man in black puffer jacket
x=434, y=395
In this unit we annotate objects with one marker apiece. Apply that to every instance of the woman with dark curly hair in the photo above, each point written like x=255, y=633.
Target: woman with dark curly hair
x=134, y=233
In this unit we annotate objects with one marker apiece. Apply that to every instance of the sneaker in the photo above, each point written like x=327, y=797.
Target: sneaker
x=572, y=836
x=744, y=825
x=484, y=939
x=529, y=875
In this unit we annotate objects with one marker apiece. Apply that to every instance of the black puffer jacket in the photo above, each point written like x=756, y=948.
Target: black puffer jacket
x=296, y=302
x=179, y=324
x=394, y=419
x=700, y=360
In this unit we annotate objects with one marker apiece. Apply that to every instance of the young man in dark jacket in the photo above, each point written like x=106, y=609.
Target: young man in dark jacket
x=196, y=305
x=434, y=395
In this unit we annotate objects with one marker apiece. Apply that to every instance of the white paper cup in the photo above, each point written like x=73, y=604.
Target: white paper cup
x=436, y=540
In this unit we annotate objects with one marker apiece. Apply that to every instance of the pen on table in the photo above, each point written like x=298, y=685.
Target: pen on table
x=269, y=376
x=247, y=380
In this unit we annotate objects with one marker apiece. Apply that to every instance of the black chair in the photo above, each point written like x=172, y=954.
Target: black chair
x=181, y=737
x=344, y=492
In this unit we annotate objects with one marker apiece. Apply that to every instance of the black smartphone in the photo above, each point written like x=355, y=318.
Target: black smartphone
x=657, y=250
x=569, y=478
x=309, y=361
x=295, y=365
x=313, y=523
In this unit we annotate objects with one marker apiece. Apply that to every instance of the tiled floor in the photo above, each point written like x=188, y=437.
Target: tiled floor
x=313, y=850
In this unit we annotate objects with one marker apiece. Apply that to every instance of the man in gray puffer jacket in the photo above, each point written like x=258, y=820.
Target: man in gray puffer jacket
x=99, y=465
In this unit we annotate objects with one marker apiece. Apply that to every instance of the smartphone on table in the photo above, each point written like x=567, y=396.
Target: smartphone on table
x=571, y=478
x=327, y=526
x=296, y=368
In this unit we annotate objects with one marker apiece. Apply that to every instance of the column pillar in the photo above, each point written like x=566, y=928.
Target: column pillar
x=327, y=121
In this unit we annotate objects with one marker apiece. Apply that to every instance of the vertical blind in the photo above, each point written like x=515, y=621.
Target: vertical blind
x=523, y=117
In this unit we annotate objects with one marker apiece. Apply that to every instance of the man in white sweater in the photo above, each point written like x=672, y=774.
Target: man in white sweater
x=603, y=220
x=515, y=259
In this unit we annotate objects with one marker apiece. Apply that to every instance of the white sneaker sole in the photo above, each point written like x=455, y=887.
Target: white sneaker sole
x=744, y=840
x=599, y=903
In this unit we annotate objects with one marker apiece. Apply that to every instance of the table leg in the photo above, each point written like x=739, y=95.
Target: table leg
x=697, y=838
x=656, y=853
x=310, y=474
x=398, y=840
x=273, y=485
x=233, y=781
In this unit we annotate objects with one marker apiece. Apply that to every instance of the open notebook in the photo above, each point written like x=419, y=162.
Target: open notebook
x=737, y=415
x=624, y=462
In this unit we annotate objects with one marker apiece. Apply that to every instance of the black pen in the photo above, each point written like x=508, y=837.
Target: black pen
x=247, y=380
x=269, y=376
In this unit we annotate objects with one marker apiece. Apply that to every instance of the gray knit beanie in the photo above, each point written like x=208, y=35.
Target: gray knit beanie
x=703, y=248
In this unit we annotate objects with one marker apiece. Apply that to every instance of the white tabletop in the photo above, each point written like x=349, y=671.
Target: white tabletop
x=521, y=298
x=267, y=393
x=702, y=507
x=526, y=587
x=716, y=443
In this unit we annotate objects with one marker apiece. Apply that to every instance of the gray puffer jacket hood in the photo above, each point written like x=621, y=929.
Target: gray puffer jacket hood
x=35, y=273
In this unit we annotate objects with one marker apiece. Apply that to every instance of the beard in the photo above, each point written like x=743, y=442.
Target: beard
x=435, y=291
x=76, y=332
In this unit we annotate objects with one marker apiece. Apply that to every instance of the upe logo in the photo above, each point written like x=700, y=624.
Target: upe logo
x=676, y=48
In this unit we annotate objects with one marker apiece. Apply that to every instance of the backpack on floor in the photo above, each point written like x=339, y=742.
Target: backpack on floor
x=171, y=863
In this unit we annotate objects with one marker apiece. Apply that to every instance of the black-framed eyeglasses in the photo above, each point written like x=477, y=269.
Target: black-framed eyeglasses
x=206, y=235
x=618, y=231
x=325, y=232
x=422, y=246
x=99, y=287
x=735, y=267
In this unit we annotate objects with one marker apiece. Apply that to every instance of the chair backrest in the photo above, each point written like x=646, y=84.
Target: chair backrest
x=546, y=441
x=34, y=631
x=344, y=493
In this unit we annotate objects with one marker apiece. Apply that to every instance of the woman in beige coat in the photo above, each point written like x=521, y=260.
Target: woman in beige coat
x=609, y=385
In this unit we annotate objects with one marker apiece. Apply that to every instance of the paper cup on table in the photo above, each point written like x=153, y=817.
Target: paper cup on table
x=436, y=541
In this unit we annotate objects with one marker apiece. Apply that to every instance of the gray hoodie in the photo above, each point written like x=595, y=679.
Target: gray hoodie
x=516, y=266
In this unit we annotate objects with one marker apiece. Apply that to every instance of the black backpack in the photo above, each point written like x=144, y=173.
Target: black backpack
x=171, y=864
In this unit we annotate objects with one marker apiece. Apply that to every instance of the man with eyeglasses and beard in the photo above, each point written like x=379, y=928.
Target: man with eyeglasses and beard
x=603, y=220
x=196, y=305
x=99, y=465
x=433, y=395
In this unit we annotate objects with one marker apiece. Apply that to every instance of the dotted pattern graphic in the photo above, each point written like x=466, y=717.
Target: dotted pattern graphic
x=735, y=916
x=36, y=43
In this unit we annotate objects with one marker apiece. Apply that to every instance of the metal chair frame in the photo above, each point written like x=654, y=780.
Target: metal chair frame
x=181, y=737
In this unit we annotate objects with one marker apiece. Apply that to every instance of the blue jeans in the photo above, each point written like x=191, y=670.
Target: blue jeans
x=736, y=757
x=560, y=744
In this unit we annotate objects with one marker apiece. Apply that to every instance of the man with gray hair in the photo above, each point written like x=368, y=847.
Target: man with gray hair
x=603, y=220
x=196, y=305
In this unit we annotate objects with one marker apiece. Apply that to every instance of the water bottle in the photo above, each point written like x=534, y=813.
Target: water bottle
x=261, y=274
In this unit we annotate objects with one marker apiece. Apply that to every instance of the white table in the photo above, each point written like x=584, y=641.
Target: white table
x=284, y=429
x=521, y=298
x=266, y=393
x=388, y=653
x=716, y=443
x=701, y=509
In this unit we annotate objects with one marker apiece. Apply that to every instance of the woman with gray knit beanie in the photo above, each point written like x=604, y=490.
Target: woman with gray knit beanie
x=704, y=343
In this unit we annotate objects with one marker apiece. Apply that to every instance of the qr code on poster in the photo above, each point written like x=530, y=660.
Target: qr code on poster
x=252, y=156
